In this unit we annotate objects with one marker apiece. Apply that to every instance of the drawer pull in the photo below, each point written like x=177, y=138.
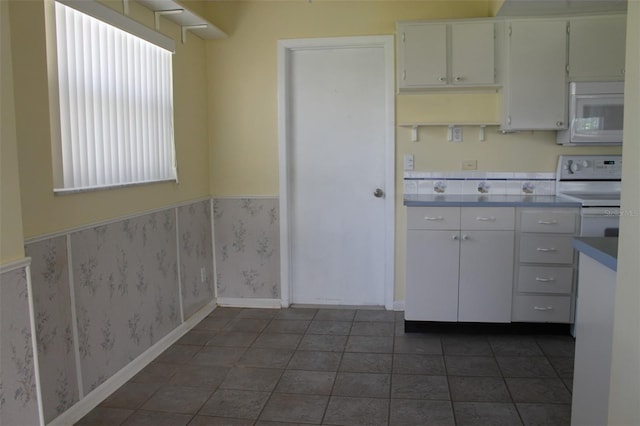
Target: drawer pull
x=547, y=222
x=546, y=250
x=433, y=218
x=545, y=280
x=486, y=219
x=542, y=308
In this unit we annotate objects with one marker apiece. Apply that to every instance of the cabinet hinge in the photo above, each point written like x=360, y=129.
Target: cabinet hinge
x=509, y=120
x=510, y=30
x=403, y=36
x=566, y=68
x=568, y=28
x=404, y=75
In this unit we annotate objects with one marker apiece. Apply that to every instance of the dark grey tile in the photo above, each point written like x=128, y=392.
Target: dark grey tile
x=418, y=344
x=335, y=315
x=288, y=326
x=514, y=345
x=253, y=379
x=225, y=312
x=317, y=361
x=233, y=339
x=563, y=366
x=340, y=328
x=370, y=344
x=545, y=414
x=458, y=365
x=295, y=408
x=177, y=399
x=219, y=421
x=417, y=386
x=486, y=413
x=306, y=382
x=478, y=389
x=157, y=418
x=372, y=329
x=297, y=314
x=265, y=357
x=277, y=340
x=529, y=366
x=196, y=337
x=156, y=372
x=199, y=376
x=368, y=385
x=104, y=416
x=568, y=382
x=349, y=411
x=412, y=412
x=212, y=324
x=250, y=325
x=237, y=404
x=561, y=346
x=220, y=356
x=375, y=315
x=418, y=364
x=131, y=395
x=270, y=423
x=258, y=313
x=399, y=316
x=323, y=342
x=399, y=329
x=178, y=354
x=538, y=390
x=366, y=363
x=466, y=345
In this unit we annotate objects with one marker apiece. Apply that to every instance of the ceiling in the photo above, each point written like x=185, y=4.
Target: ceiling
x=560, y=7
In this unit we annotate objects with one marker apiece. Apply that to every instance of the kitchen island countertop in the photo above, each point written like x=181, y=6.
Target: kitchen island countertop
x=450, y=200
x=602, y=249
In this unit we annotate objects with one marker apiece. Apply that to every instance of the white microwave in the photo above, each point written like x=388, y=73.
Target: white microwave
x=596, y=112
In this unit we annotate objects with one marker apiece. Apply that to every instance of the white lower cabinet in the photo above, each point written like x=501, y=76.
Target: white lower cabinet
x=463, y=273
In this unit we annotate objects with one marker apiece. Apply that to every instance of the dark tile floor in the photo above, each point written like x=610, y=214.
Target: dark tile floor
x=344, y=367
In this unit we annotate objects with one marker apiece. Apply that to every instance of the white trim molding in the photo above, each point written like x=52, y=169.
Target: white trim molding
x=247, y=302
x=16, y=264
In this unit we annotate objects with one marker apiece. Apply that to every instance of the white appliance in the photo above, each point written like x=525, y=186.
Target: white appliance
x=596, y=111
x=595, y=182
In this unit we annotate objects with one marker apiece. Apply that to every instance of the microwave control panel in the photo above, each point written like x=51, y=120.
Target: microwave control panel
x=590, y=167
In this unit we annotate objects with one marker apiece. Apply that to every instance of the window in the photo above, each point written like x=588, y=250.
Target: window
x=115, y=93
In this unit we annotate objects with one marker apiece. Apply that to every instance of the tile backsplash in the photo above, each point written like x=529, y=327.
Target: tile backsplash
x=473, y=183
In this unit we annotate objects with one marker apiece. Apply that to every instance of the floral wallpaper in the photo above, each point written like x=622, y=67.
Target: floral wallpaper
x=196, y=252
x=126, y=291
x=54, y=333
x=247, y=241
x=18, y=397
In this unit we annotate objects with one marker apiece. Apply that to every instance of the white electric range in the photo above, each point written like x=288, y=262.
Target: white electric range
x=595, y=182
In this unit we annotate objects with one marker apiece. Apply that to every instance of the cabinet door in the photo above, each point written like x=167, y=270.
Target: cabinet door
x=422, y=55
x=486, y=276
x=597, y=48
x=432, y=276
x=472, y=58
x=537, y=89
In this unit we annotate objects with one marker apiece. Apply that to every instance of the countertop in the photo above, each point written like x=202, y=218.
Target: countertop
x=436, y=200
x=601, y=249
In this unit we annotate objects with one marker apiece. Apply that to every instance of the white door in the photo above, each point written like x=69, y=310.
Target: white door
x=336, y=143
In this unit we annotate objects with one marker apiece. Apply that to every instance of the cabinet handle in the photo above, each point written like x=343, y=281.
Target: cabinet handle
x=443, y=78
x=546, y=249
x=542, y=308
x=547, y=222
x=559, y=123
x=465, y=237
x=486, y=219
x=433, y=218
x=459, y=78
x=454, y=237
x=545, y=280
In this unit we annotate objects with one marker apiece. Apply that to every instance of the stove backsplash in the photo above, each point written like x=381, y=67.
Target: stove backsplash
x=463, y=183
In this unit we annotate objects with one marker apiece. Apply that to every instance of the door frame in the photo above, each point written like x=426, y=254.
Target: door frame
x=285, y=50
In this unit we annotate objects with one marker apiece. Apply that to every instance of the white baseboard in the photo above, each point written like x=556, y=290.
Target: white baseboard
x=99, y=394
x=398, y=305
x=242, y=302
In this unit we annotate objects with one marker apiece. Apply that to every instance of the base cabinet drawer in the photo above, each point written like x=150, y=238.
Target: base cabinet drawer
x=541, y=309
x=536, y=248
x=545, y=279
x=433, y=218
x=549, y=221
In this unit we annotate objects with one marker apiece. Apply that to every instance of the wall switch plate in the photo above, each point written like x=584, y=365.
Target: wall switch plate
x=469, y=164
x=408, y=162
x=456, y=134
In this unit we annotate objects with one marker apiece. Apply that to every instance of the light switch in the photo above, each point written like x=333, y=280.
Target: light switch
x=408, y=162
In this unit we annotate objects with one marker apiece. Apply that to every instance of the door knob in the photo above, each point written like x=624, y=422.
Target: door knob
x=378, y=193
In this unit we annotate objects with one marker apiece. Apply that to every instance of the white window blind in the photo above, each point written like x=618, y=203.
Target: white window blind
x=116, y=104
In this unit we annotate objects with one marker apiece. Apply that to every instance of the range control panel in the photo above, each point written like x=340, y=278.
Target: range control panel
x=589, y=167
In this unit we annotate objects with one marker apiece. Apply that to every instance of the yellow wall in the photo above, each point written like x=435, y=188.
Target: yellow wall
x=43, y=212
x=624, y=402
x=11, y=247
x=242, y=96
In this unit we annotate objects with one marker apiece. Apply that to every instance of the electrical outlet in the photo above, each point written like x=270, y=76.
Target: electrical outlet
x=408, y=162
x=203, y=274
x=456, y=133
x=469, y=164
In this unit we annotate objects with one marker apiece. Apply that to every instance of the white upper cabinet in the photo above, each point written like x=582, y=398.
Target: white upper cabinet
x=535, y=93
x=597, y=48
x=432, y=55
